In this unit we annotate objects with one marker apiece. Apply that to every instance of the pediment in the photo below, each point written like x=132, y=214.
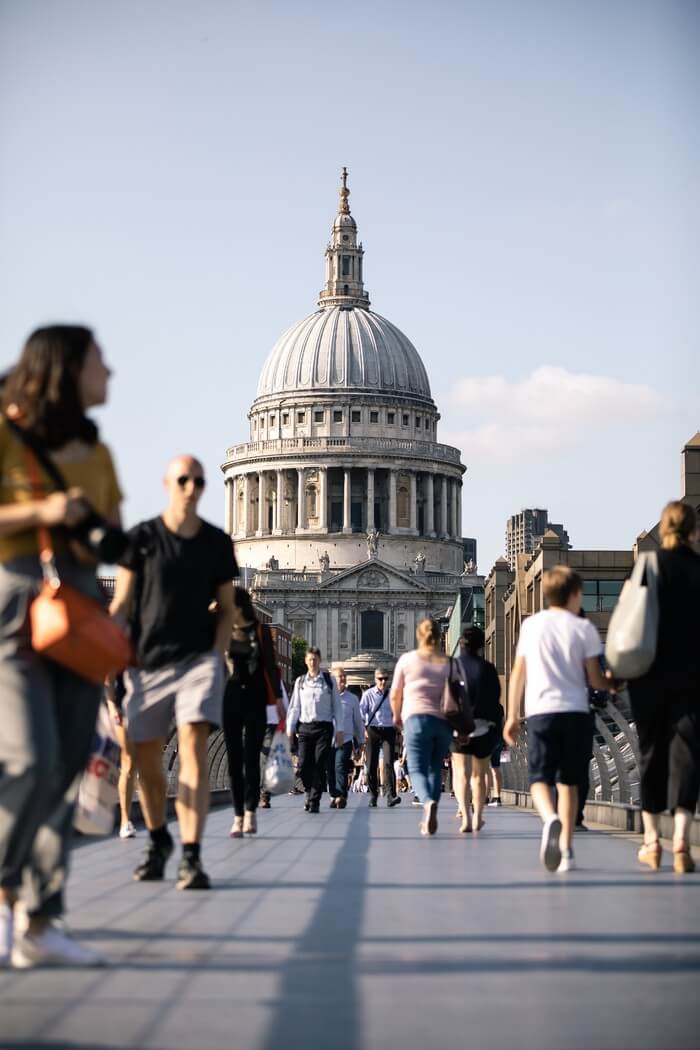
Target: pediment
x=373, y=575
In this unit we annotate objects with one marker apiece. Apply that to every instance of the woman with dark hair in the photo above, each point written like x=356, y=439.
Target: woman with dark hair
x=48, y=712
x=254, y=683
x=471, y=760
x=666, y=700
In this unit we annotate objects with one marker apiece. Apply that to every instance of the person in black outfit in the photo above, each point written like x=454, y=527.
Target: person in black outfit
x=255, y=680
x=666, y=700
x=471, y=760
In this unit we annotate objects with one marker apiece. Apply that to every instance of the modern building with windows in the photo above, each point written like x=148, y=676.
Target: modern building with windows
x=525, y=530
x=343, y=502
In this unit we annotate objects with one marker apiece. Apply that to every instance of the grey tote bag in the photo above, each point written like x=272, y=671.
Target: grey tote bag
x=630, y=646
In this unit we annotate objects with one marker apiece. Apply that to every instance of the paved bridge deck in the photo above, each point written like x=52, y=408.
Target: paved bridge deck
x=345, y=931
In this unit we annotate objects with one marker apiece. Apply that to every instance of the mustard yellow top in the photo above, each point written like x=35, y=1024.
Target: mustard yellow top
x=94, y=473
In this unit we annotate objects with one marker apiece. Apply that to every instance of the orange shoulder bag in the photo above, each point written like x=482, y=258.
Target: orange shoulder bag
x=68, y=626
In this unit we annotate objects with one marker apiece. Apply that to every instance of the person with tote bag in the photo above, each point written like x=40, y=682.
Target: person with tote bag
x=666, y=699
x=48, y=710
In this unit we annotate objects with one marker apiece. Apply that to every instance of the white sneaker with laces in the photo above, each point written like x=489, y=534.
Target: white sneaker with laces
x=567, y=862
x=127, y=831
x=52, y=947
x=6, y=931
x=550, y=851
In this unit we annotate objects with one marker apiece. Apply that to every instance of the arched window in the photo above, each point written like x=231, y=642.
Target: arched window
x=344, y=635
x=401, y=636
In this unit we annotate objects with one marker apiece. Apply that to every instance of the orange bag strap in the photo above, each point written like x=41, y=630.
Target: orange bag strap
x=46, y=551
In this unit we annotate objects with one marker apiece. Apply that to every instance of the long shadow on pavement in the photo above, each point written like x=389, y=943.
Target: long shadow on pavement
x=318, y=1001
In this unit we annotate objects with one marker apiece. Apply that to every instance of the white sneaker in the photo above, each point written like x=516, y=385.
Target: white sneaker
x=550, y=851
x=127, y=831
x=6, y=931
x=567, y=862
x=52, y=947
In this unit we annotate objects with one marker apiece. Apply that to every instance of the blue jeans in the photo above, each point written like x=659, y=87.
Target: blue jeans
x=427, y=746
x=339, y=762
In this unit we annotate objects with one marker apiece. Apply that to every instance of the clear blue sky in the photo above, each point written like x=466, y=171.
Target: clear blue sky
x=524, y=176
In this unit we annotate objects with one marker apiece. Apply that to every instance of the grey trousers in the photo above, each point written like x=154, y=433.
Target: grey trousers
x=47, y=721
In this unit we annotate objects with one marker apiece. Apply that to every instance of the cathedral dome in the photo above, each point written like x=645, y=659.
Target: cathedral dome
x=344, y=347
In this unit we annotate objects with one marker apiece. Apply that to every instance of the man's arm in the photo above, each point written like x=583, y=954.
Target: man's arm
x=516, y=689
x=596, y=678
x=224, y=618
x=357, y=723
x=294, y=709
x=120, y=606
x=337, y=715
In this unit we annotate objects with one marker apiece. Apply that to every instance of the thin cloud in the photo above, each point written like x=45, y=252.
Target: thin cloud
x=545, y=413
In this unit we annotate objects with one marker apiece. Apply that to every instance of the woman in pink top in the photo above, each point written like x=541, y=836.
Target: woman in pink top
x=416, y=700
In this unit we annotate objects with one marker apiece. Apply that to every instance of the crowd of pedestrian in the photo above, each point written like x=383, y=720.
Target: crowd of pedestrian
x=201, y=659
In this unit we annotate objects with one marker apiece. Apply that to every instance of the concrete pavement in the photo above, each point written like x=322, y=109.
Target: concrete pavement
x=346, y=931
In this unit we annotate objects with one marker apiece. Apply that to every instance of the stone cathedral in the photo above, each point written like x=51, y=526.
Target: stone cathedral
x=342, y=503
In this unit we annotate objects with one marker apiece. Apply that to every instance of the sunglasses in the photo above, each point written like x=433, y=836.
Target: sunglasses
x=381, y=678
x=198, y=482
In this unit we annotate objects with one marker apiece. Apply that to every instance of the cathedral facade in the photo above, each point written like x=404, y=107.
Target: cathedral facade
x=343, y=502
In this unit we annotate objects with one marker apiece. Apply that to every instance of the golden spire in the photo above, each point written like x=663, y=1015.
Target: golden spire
x=344, y=193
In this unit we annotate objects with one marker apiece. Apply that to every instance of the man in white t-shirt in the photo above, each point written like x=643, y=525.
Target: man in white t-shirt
x=556, y=661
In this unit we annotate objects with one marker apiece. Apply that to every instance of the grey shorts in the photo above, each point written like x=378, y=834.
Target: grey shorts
x=190, y=691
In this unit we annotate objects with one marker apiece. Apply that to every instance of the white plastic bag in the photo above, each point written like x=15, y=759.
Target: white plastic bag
x=98, y=791
x=279, y=770
x=630, y=645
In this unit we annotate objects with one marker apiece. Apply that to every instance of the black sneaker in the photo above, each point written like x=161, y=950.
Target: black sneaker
x=314, y=807
x=372, y=803
x=395, y=801
x=307, y=806
x=152, y=868
x=191, y=875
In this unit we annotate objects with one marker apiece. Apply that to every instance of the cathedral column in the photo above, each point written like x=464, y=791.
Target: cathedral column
x=323, y=497
x=347, y=496
x=370, y=498
x=246, y=504
x=261, y=503
x=228, y=517
x=392, y=501
x=234, y=506
x=443, y=530
x=279, y=503
x=459, y=509
x=429, y=512
x=301, y=500
x=453, y=515
x=412, y=502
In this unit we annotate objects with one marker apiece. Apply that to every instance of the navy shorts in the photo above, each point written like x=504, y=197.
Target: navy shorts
x=558, y=747
x=496, y=754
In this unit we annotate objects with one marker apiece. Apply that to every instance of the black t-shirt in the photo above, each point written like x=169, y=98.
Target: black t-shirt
x=176, y=581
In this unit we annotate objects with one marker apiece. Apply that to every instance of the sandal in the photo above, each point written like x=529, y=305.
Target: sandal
x=250, y=823
x=650, y=854
x=236, y=831
x=683, y=863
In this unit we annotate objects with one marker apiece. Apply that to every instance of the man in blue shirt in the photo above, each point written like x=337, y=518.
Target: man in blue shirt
x=381, y=736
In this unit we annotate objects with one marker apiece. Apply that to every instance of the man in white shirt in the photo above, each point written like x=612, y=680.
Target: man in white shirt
x=353, y=728
x=556, y=661
x=314, y=708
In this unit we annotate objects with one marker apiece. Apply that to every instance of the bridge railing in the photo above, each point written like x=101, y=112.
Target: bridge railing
x=614, y=770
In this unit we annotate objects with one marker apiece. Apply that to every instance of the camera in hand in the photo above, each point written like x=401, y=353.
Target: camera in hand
x=106, y=542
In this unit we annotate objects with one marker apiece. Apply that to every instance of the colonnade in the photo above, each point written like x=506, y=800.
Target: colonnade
x=274, y=502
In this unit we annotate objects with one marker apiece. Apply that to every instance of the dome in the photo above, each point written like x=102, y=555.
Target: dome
x=344, y=348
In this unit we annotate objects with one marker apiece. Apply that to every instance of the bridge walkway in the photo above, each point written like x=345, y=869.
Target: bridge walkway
x=346, y=931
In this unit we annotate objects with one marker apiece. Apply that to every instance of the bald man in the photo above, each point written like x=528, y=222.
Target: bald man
x=177, y=569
